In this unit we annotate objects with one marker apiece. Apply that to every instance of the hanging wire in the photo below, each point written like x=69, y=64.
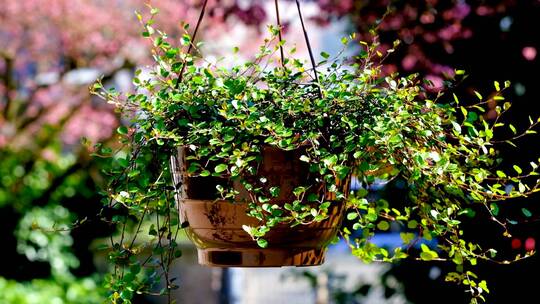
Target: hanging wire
x=311, y=57
x=279, y=34
x=201, y=15
x=308, y=44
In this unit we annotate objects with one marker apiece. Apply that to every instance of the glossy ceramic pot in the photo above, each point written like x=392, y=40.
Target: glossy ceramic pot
x=215, y=226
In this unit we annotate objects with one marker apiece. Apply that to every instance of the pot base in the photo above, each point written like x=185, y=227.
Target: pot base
x=268, y=257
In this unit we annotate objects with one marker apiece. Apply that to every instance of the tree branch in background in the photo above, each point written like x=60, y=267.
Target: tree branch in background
x=8, y=81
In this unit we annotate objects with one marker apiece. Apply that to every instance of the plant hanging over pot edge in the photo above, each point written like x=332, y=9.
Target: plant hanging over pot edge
x=346, y=121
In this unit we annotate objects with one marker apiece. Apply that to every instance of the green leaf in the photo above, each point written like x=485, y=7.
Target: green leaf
x=407, y=237
x=262, y=243
x=517, y=169
x=497, y=86
x=427, y=256
x=193, y=167
x=274, y=191
x=186, y=39
x=126, y=294
x=457, y=127
x=325, y=55
x=135, y=269
x=464, y=111
x=152, y=231
x=412, y=224
x=383, y=225
x=362, y=193
x=456, y=99
x=330, y=160
x=395, y=139
x=526, y=212
x=220, y=168
x=483, y=286
x=324, y=205
x=492, y=253
x=247, y=229
x=124, y=163
x=304, y=158
x=494, y=209
x=352, y=215
x=371, y=215
x=472, y=117
x=478, y=95
x=512, y=128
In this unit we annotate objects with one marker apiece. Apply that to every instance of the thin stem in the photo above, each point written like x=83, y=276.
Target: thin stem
x=139, y=225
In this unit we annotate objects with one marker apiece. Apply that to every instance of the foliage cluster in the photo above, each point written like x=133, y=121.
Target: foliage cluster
x=349, y=120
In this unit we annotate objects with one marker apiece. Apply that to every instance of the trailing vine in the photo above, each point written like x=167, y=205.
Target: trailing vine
x=352, y=122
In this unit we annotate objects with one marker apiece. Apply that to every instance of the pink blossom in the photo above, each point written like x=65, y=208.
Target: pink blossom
x=436, y=83
x=459, y=11
x=427, y=18
x=450, y=32
x=48, y=39
x=484, y=10
x=409, y=62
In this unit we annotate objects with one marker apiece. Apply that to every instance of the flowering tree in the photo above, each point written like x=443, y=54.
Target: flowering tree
x=438, y=36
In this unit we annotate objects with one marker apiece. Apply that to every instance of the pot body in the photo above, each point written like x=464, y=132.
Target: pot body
x=215, y=226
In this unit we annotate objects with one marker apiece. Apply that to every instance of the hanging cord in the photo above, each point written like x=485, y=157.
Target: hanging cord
x=308, y=44
x=309, y=49
x=201, y=15
x=279, y=34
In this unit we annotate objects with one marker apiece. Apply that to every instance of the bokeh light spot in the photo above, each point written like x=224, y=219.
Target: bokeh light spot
x=530, y=244
x=529, y=53
x=520, y=89
x=516, y=244
x=506, y=23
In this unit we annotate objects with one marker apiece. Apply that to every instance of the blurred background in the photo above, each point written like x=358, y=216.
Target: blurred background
x=51, y=51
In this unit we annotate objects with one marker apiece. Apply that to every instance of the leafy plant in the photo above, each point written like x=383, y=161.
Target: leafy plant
x=85, y=290
x=346, y=118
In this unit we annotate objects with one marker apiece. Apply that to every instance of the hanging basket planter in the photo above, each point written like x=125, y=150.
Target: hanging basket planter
x=261, y=156
x=216, y=226
x=222, y=229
